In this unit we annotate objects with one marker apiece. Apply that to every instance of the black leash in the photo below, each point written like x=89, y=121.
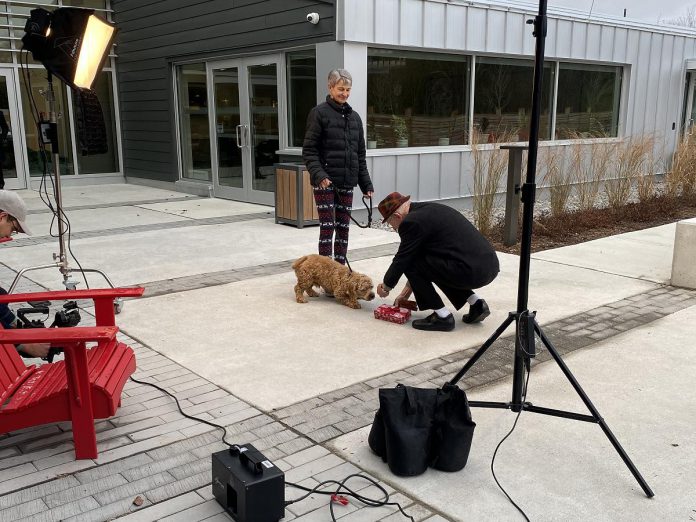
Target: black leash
x=368, y=207
x=369, y=212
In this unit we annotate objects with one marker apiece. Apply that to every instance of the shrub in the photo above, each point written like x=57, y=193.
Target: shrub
x=489, y=166
x=588, y=173
x=682, y=176
x=630, y=163
x=558, y=181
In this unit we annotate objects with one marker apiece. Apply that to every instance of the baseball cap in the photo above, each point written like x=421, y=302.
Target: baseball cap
x=11, y=203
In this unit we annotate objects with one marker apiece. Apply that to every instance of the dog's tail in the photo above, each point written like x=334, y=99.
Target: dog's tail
x=299, y=262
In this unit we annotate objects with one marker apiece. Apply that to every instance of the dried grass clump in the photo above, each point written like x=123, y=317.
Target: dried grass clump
x=588, y=172
x=559, y=181
x=631, y=156
x=645, y=183
x=682, y=177
x=489, y=166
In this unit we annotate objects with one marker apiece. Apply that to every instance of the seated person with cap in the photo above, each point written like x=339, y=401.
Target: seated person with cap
x=13, y=215
x=439, y=246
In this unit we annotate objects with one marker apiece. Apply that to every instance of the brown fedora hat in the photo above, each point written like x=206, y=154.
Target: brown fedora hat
x=390, y=204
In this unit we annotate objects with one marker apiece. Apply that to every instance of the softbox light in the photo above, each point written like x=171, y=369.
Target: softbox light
x=71, y=43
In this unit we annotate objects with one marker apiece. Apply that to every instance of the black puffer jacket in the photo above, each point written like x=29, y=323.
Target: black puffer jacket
x=334, y=146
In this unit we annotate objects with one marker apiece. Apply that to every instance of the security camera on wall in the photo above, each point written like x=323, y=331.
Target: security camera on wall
x=313, y=18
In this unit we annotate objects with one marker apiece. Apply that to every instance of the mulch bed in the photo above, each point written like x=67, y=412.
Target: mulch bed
x=585, y=225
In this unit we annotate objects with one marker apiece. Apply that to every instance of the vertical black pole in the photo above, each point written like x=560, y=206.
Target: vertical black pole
x=528, y=194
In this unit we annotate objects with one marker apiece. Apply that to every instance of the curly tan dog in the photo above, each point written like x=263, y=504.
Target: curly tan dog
x=333, y=277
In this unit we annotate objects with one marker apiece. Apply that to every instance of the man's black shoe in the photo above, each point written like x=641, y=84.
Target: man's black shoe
x=435, y=323
x=477, y=312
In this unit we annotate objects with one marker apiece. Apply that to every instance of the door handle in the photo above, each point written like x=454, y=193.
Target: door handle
x=239, y=143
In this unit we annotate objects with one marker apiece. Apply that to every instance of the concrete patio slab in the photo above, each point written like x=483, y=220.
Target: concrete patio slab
x=265, y=336
x=558, y=469
x=207, y=208
x=644, y=254
x=101, y=194
x=101, y=219
x=156, y=255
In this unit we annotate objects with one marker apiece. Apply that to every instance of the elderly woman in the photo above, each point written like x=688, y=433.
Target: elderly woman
x=334, y=153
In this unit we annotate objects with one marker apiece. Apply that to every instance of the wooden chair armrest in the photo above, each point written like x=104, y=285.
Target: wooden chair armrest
x=59, y=295
x=58, y=336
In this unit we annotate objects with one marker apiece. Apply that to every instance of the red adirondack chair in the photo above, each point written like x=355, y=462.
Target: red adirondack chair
x=87, y=385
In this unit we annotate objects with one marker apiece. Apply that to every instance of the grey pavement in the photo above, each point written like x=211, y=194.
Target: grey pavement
x=219, y=328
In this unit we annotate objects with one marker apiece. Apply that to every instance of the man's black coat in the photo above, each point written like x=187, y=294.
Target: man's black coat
x=439, y=236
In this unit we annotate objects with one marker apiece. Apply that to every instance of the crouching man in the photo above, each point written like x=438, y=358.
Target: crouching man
x=439, y=246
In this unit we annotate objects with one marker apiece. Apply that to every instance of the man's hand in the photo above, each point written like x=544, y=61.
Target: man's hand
x=35, y=349
x=368, y=194
x=405, y=303
x=325, y=183
x=382, y=290
x=404, y=295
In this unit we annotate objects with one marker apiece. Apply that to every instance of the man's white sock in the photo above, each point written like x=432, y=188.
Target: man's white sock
x=442, y=312
x=473, y=298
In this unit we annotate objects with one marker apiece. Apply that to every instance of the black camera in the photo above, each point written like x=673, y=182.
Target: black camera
x=67, y=317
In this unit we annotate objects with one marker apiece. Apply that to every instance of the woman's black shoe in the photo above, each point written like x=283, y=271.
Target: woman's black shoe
x=477, y=312
x=435, y=323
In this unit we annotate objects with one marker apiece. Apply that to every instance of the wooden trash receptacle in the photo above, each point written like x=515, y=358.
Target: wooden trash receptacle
x=294, y=198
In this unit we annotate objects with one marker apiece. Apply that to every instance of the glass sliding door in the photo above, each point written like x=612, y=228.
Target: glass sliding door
x=264, y=142
x=246, y=126
x=228, y=128
x=193, y=122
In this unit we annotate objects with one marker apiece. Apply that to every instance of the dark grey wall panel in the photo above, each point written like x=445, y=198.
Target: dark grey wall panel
x=153, y=34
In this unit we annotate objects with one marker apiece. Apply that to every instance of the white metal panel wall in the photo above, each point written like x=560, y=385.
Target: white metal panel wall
x=654, y=56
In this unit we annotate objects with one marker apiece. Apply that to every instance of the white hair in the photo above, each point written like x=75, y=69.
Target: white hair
x=340, y=75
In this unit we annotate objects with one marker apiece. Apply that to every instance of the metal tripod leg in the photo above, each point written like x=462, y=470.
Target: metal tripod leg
x=484, y=347
x=578, y=389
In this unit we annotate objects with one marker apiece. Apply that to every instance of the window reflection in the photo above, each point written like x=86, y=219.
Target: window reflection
x=588, y=101
x=108, y=161
x=39, y=83
x=193, y=122
x=503, y=100
x=416, y=99
x=302, y=81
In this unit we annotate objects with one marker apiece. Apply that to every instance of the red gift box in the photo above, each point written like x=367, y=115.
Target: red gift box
x=393, y=314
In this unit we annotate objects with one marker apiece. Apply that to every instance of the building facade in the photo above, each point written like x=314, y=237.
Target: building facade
x=211, y=91
x=23, y=84
x=205, y=97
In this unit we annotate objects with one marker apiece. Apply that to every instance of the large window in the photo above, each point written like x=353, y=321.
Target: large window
x=588, y=101
x=107, y=161
x=419, y=99
x=416, y=99
x=38, y=84
x=193, y=122
x=302, y=92
x=503, y=100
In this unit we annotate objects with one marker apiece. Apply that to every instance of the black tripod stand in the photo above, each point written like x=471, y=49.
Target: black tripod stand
x=525, y=322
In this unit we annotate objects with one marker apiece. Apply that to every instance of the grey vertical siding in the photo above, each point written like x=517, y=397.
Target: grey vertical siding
x=653, y=56
x=154, y=33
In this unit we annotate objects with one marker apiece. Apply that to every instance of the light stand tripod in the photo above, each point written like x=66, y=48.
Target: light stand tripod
x=60, y=259
x=525, y=321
